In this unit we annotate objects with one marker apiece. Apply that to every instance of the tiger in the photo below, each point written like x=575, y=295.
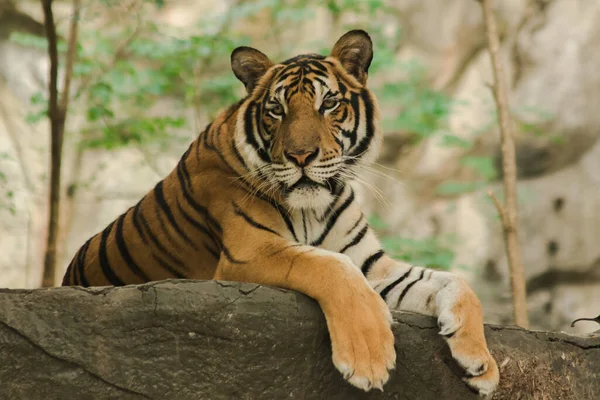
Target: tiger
x=266, y=194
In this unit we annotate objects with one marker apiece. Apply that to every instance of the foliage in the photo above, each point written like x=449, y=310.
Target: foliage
x=124, y=71
x=7, y=200
x=434, y=252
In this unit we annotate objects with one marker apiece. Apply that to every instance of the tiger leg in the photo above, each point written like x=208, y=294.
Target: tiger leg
x=358, y=320
x=457, y=308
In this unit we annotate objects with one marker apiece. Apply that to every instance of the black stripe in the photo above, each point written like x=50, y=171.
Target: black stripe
x=125, y=251
x=229, y=257
x=365, y=141
x=331, y=164
x=281, y=210
x=328, y=211
x=389, y=287
x=239, y=157
x=356, y=239
x=163, y=226
x=286, y=219
x=349, y=135
x=197, y=224
x=286, y=73
x=318, y=79
x=158, y=244
x=369, y=262
x=81, y=265
x=249, y=128
x=257, y=128
x=334, y=217
x=309, y=85
x=407, y=288
x=337, y=193
x=136, y=222
x=212, y=251
x=186, y=175
x=196, y=206
x=67, y=277
x=186, y=154
x=318, y=65
x=162, y=203
x=343, y=116
x=318, y=74
x=252, y=222
x=341, y=86
x=104, y=262
x=76, y=262
x=210, y=137
x=212, y=148
x=198, y=141
x=73, y=278
x=355, y=225
x=339, y=142
x=166, y=266
x=304, y=224
x=356, y=107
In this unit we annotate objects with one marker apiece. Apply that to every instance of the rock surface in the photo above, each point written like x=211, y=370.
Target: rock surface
x=221, y=340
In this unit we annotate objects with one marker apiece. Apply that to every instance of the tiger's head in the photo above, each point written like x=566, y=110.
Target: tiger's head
x=308, y=121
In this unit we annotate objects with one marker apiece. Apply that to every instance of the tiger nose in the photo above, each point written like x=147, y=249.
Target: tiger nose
x=303, y=157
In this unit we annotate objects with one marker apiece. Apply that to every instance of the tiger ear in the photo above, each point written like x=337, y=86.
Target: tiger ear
x=249, y=65
x=354, y=50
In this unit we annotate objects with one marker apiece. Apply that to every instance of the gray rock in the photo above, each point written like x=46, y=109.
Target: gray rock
x=219, y=340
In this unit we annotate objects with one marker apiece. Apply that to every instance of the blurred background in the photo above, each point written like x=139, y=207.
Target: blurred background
x=151, y=74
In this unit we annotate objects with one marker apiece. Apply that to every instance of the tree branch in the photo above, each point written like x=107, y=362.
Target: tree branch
x=508, y=213
x=71, y=55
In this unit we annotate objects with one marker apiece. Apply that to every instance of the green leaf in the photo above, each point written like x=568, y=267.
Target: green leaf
x=101, y=92
x=34, y=118
x=83, y=67
x=456, y=141
x=484, y=166
x=38, y=98
x=97, y=112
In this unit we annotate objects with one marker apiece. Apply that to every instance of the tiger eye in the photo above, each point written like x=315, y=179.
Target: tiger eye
x=277, y=110
x=329, y=103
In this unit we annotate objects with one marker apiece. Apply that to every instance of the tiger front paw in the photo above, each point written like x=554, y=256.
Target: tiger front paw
x=466, y=340
x=361, y=338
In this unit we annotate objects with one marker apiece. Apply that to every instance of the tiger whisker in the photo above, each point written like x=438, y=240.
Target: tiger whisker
x=348, y=174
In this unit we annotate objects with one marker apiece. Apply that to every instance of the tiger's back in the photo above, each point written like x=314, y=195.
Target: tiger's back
x=169, y=233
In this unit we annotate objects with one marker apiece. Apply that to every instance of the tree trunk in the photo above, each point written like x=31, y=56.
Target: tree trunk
x=508, y=212
x=57, y=124
x=57, y=112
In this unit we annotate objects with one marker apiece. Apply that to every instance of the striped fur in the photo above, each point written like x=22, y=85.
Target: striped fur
x=265, y=195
